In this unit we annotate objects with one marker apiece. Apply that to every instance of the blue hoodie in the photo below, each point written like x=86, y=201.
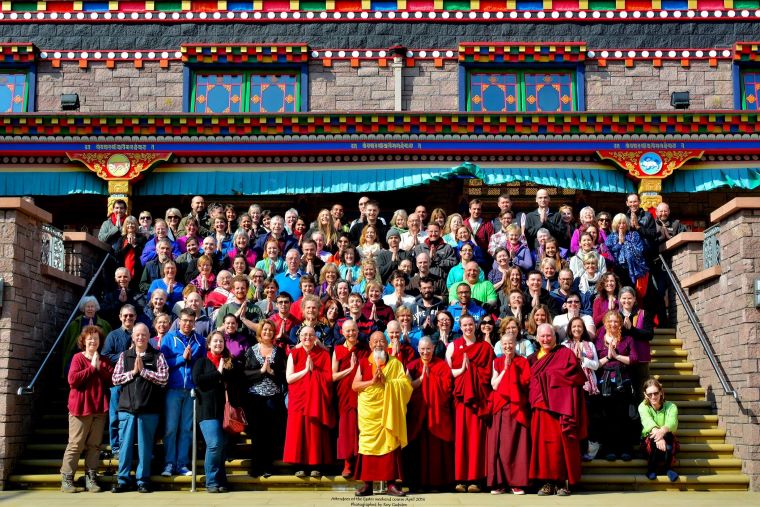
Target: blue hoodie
x=173, y=347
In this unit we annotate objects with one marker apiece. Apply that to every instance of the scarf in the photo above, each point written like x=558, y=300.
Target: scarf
x=585, y=282
x=214, y=358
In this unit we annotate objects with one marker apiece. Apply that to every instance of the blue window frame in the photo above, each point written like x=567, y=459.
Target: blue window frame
x=521, y=90
x=749, y=89
x=14, y=91
x=269, y=89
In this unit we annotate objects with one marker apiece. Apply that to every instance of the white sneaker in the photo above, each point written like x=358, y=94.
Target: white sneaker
x=593, y=449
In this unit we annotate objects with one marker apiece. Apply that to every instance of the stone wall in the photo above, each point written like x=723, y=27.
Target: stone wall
x=370, y=87
x=724, y=303
x=430, y=88
x=345, y=88
x=36, y=302
x=645, y=87
x=124, y=88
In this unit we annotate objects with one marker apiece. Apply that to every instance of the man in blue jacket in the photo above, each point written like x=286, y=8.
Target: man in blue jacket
x=181, y=348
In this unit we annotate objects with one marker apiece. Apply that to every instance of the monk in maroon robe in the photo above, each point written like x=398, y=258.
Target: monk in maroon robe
x=397, y=347
x=429, y=457
x=559, y=422
x=310, y=411
x=509, y=434
x=346, y=358
x=470, y=360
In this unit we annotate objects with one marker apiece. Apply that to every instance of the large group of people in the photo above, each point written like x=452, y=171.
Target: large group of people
x=431, y=351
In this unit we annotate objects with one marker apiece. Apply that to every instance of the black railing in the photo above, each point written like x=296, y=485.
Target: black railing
x=29, y=389
x=703, y=339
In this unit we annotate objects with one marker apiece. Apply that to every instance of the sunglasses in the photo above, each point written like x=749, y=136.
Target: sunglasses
x=146, y=218
x=603, y=220
x=652, y=395
x=486, y=323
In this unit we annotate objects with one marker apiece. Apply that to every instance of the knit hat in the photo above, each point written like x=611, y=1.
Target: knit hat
x=392, y=232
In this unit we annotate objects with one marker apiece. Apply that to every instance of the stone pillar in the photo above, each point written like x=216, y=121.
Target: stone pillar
x=723, y=299
x=398, y=82
x=37, y=300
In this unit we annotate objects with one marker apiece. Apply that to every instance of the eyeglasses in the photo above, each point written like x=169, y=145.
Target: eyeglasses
x=652, y=395
x=573, y=302
x=283, y=302
x=172, y=217
x=129, y=316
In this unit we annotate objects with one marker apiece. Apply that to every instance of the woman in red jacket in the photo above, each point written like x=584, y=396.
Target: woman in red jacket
x=89, y=378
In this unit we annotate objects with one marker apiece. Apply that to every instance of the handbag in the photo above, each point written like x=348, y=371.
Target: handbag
x=234, y=417
x=613, y=383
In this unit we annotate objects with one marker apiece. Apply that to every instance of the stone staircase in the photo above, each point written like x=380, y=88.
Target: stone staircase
x=706, y=461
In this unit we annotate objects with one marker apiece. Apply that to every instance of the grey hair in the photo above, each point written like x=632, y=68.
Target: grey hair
x=627, y=290
x=89, y=299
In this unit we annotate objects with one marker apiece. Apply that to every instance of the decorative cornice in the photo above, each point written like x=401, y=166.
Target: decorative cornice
x=347, y=11
x=709, y=123
x=747, y=52
x=521, y=52
x=485, y=52
x=23, y=52
x=244, y=53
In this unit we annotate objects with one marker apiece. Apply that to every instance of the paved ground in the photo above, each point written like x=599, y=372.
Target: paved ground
x=337, y=499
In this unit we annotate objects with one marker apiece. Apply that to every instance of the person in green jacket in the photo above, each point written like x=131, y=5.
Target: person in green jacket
x=659, y=421
x=89, y=307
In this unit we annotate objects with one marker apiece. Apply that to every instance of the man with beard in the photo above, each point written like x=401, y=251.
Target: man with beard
x=384, y=391
x=426, y=306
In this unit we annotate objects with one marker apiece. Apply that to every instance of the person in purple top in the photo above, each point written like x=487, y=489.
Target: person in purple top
x=236, y=343
x=616, y=354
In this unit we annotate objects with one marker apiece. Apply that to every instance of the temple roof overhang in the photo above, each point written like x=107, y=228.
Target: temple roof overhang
x=375, y=151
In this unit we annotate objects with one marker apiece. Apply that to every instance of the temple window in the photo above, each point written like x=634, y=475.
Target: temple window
x=529, y=90
x=246, y=91
x=14, y=91
x=750, y=89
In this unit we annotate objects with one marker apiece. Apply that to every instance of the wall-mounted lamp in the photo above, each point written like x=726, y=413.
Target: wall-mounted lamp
x=69, y=102
x=680, y=100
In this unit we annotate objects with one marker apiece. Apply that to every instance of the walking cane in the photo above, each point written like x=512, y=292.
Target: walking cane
x=195, y=440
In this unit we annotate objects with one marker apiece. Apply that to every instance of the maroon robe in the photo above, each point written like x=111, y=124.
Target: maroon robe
x=472, y=390
x=429, y=457
x=509, y=434
x=559, y=421
x=310, y=412
x=348, y=429
x=405, y=353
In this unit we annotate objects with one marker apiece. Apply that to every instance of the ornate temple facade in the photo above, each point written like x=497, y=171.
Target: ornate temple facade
x=142, y=99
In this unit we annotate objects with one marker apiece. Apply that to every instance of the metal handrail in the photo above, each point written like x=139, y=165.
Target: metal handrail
x=703, y=339
x=29, y=389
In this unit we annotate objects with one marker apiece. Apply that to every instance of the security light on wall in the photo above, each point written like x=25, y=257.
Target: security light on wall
x=680, y=100
x=69, y=102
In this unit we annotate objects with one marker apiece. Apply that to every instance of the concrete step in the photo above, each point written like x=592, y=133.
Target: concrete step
x=241, y=481
x=684, y=482
x=670, y=352
x=667, y=363
x=660, y=340
x=597, y=466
